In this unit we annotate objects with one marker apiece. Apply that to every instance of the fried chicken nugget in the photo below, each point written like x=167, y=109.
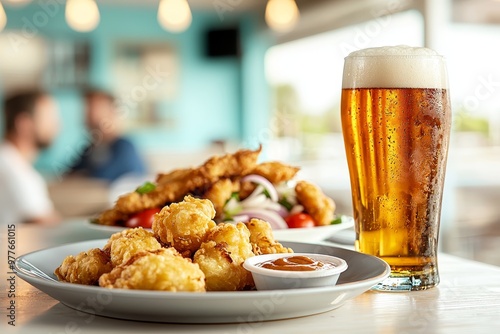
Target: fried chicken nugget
x=124, y=245
x=222, y=255
x=315, y=202
x=219, y=193
x=184, y=225
x=262, y=238
x=162, y=269
x=84, y=268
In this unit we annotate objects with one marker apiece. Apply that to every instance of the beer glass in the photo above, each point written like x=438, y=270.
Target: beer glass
x=396, y=119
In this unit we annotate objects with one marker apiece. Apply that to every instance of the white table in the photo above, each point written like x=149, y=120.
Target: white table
x=466, y=301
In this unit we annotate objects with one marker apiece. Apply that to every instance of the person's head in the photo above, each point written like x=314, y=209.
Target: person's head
x=100, y=111
x=31, y=116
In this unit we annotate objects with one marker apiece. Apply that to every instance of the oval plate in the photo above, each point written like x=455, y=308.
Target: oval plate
x=364, y=272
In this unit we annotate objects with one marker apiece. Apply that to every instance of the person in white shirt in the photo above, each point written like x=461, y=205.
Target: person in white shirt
x=31, y=123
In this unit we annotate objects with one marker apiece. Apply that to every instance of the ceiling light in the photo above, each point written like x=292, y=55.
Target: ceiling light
x=282, y=15
x=174, y=15
x=82, y=15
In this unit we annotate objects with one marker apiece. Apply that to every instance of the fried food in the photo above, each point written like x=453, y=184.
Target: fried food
x=219, y=193
x=163, y=269
x=222, y=255
x=84, y=268
x=172, y=187
x=240, y=163
x=315, y=202
x=124, y=245
x=184, y=225
x=138, y=259
x=111, y=217
x=262, y=238
x=276, y=172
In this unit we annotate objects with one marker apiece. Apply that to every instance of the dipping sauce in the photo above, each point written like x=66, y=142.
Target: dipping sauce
x=296, y=263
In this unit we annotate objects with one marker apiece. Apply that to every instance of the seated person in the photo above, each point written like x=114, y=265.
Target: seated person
x=110, y=155
x=31, y=124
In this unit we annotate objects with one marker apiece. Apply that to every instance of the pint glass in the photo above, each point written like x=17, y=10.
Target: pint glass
x=396, y=119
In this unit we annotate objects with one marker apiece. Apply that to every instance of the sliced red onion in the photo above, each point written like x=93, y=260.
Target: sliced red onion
x=282, y=211
x=273, y=218
x=264, y=183
x=254, y=201
x=272, y=206
x=241, y=218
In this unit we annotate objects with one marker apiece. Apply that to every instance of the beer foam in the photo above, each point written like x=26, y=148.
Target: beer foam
x=395, y=67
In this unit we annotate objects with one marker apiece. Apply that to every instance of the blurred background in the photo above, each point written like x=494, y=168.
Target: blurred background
x=200, y=77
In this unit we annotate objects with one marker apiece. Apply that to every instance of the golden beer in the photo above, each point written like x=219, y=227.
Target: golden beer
x=396, y=130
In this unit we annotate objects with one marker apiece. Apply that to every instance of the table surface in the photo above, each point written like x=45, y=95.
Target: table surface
x=466, y=301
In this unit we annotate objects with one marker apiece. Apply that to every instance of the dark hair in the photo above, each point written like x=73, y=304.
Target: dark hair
x=93, y=92
x=18, y=104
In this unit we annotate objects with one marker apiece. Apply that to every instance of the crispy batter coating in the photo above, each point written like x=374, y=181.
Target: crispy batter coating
x=262, y=238
x=163, y=269
x=124, y=245
x=219, y=193
x=315, y=202
x=222, y=255
x=240, y=163
x=172, y=187
x=275, y=171
x=84, y=268
x=111, y=217
x=184, y=225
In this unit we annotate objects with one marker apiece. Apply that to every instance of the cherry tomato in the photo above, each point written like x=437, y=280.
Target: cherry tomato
x=143, y=218
x=298, y=220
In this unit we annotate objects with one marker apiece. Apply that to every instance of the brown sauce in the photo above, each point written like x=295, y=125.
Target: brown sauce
x=296, y=263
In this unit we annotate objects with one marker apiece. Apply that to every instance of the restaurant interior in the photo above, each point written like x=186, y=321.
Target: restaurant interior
x=222, y=75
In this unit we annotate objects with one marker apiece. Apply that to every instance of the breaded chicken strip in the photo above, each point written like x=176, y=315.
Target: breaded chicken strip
x=221, y=258
x=240, y=163
x=219, y=193
x=84, y=268
x=184, y=225
x=315, y=202
x=262, y=238
x=111, y=217
x=124, y=245
x=163, y=269
x=276, y=172
x=172, y=187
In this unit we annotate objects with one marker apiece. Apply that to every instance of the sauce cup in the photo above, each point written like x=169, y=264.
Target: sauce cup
x=272, y=279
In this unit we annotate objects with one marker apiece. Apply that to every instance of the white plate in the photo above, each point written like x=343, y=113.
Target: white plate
x=312, y=234
x=364, y=272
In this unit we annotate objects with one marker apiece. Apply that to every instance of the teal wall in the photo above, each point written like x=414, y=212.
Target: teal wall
x=218, y=99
